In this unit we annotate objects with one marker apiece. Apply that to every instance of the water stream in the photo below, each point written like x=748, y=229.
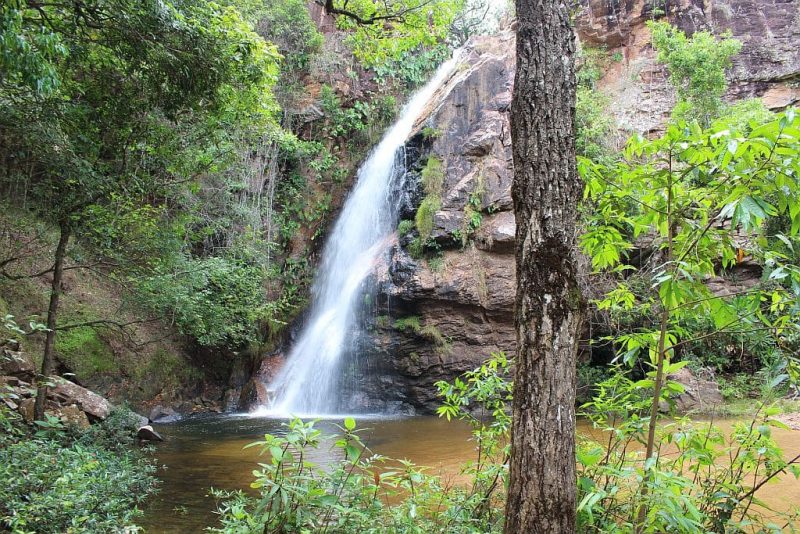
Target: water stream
x=308, y=382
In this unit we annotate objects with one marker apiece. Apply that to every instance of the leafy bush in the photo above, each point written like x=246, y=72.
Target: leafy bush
x=64, y=480
x=365, y=492
x=288, y=25
x=696, y=67
x=216, y=300
x=405, y=227
x=700, y=481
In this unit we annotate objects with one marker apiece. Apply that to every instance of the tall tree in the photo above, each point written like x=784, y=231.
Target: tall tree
x=546, y=189
x=98, y=99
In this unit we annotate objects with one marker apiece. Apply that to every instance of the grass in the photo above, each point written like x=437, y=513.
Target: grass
x=410, y=324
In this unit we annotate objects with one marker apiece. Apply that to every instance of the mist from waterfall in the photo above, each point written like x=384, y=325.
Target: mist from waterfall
x=307, y=383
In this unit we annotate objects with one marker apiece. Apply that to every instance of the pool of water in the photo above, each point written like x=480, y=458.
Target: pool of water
x=208, y=451
x=204, y=452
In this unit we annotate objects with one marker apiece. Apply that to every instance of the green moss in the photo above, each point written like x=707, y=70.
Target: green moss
x=424, y=217
x=84, y=352
x=436, y=263
x=410, y=324
x=416, y=248
x=431, y=133
x=433, y=176
x=405, y=227
x=432, y=334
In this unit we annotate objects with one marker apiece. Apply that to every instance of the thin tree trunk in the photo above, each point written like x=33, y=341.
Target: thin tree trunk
x=52, y=313
x=549, y=306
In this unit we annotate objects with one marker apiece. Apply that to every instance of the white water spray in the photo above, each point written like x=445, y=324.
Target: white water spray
x=307, y=382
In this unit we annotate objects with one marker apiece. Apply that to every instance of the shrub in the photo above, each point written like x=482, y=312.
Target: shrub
x=425, y=216
x=288, y=25
x=62, y=480
x=405, y=227
x=697, y=69
x=365, y=492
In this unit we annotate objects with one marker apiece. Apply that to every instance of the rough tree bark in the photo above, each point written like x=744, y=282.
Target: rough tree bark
x=546, y=190
x=48, y=359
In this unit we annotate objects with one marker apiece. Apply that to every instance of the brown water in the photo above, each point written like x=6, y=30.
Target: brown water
x=206, y=452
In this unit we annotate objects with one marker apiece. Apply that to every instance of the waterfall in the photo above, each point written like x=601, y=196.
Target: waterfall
x=307, y=383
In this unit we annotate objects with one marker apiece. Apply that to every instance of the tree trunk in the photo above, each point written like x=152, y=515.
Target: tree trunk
x=549, y=306
x=52, y=313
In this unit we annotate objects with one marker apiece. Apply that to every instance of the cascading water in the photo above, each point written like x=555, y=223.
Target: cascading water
x=307, y=382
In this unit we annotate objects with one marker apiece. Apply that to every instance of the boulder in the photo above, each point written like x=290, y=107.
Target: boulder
x=497, y=233
x=26, y=409
x=17, y=363
x=700, y=394
x=161, y=415
x=66, y=392
x=147, y=433
x=72, y=415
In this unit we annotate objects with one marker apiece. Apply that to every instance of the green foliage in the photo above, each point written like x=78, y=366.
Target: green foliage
x=410, y=324
x=64, y=480
x=288, y=25
x=84, y=352
x=593, y=125
x=425, y=216
x=30, y=54
x=678, y=189
x=140, y=110
x=385, y=30
x=690, y=194
x=432, y=181
x=405, y=227
x=342, y=121
x=433, y=176
x=701, y=481
x=413, y=68
x=697, y=69
x=215, y=300
x=366, y=492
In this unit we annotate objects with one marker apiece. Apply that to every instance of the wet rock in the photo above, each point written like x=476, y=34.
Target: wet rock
x=162, y=415
x=147, y=433
x=270, y=367
x=254, y=395
x=230, y=401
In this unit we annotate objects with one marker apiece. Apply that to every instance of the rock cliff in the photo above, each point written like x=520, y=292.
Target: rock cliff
x=443, y=314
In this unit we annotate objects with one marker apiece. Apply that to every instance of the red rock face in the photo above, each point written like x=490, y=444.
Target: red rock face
x=768, y=65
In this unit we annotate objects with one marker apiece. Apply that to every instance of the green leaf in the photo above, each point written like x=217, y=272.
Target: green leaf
x=349, y=423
